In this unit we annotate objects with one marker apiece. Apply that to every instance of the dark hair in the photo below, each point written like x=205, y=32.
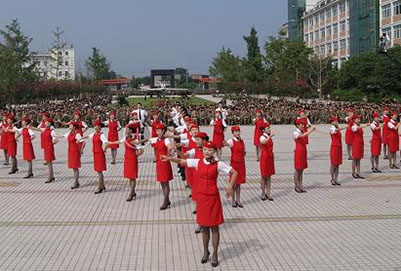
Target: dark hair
x=206, y=138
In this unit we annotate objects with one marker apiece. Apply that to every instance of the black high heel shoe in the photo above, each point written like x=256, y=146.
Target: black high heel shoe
x=205, y=258
x=50, y=180
x=28, y=176
x=234, y=204
x=263, y=198
x=270, y=198
x=298, y=190
x=378, y=171
x=164, y=207
x=333, y=182
x=100, y=190
x=359, y=176
x=133, y=197
x=374, y=170
x=215, y=263
x=355, y=176
x=303, y=191
x=239, y=205
x=75, y=186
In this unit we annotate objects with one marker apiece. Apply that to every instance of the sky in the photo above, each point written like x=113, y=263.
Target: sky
x=140, y=35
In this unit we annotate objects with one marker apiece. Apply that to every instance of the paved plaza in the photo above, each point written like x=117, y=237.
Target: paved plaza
x=356, y=226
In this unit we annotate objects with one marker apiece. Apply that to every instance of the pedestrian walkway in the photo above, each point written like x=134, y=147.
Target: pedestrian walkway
x=355, y=226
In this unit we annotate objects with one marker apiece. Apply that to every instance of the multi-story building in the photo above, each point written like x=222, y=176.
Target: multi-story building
x=390, y=21
x=327, y=29
x=49, y=68
x=296, y=8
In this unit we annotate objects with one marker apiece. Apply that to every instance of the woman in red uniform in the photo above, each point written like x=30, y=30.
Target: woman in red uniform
x=357, y=146
x=132, y=152
x=28, y=153
x=154, y=122
x=74, y=153
x=348, y=133
x=266, y=161
x=385, y=119
x=49, y=139
x=12, y=143
x=336, y=150
x=304, y=117
x=376, y=142
x=300, y=154
x=258, y=122
x=42, y=125
x=393, y=140
x=112, y=135
x=218, y=132
x=209, y=208
x=237, y=162
x=164, y=172
x=4, y=139
x=99, y=146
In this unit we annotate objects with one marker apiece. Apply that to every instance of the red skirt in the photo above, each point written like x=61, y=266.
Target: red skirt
x=3, y=142
x=12, y=148
x=27, y=152
x=189, y=176
x=393, y=143
x=241, y=169
x=357, y=150
x=218, y=140
x=74, y=160
x=99, y=161
x=113, y=137
x=300, y=159
x=336, y=155
x=385, y=138
x=49, y=153
x=349, y=136
x=164, y=172
x=209, y=211
x=130, y=168
x=256, y=137
x=375, y=147
x=266, y=164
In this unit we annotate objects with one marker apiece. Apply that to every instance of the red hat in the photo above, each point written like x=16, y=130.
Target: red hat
x=375, y=114
x=74, y=123
x=160, y=126
x=386, y=108
x=26, y=119
x=187, y=118
x=258, y=111
x=48, y=119
x=134, y=114
x=333, y=118
x=5, y=114
x=134, y=125
x=356, y=116
x=155, y=112
x=193, y=125
x=209, y=145
x=201, y=135
x=76, y=113
x=394, y=113
x=350, y=110
x=46, y=114
x=113, y=113
x=10, y=116
x=235, y=128
x=97, y=123
x=301, y=111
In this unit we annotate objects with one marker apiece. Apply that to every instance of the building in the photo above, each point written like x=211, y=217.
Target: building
x=296, y=9
x=116, y=84
x=327, y=29
x=48, y=68
x=390, y=21
x=159, y=78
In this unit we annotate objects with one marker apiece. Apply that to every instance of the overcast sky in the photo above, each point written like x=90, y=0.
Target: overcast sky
x=139, y=35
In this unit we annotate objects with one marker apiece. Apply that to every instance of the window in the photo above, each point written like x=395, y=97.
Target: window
x=397, y=31
x=348, y=44
x=343, y=45
x=342, y=26
x=328, y=45
x=66, y=73
x=316, y=20
x=66, y=63
x=323, y=49
x=335, y=29
x=335, y=46
x=306, y=38
x=322, y=17
x=335, y=10
x=397, y=7
x=386, y=11
x=342, y=7
x=323, y=33
x=311, y=36
x=45, y=63
x=328, y=30
x=387, y=30
x=66, y=53
x=310, y=21
x=60, y=73
x=328, y=13
x=317, y=34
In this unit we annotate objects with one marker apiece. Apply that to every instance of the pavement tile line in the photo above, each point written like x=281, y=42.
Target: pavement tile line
x=191, y=221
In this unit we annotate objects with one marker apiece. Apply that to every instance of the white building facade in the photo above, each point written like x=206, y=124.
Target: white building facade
x=390, y=20
x=327, y=29
x=48, y=68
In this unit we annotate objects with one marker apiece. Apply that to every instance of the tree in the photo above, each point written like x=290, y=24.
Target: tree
x=254, y=71
x=17, y=64
x=57, y=49
x=319, y=70
x=97, y=65
x=227, y=66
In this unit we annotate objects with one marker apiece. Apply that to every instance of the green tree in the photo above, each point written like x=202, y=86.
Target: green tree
x=57, y=49
x=17, y=64
x=98, y=66
x=253, y=63
x=227, y=66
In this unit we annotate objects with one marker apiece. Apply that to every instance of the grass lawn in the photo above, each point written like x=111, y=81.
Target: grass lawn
x=151, y=101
